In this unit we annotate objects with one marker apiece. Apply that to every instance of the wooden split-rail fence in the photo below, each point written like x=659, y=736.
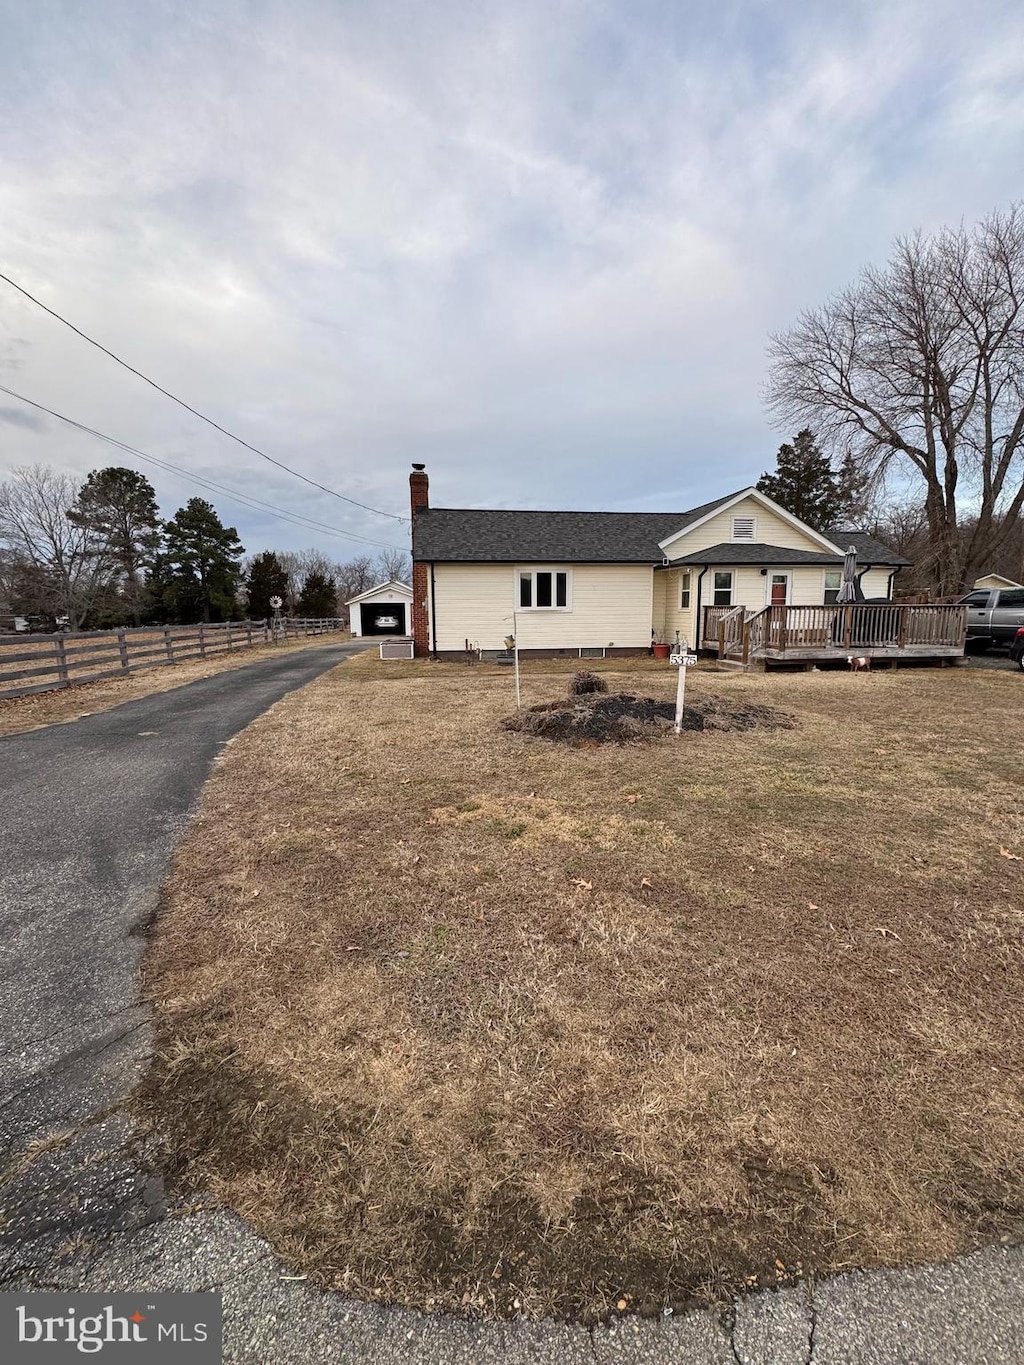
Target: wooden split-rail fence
x=43, y=663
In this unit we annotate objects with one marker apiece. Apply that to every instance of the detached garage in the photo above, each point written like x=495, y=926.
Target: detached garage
x=383, y=610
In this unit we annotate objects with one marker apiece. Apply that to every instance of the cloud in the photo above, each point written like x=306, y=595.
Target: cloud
x=539, y=246
x=17, y=417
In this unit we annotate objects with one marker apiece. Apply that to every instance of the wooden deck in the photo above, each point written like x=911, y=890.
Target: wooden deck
x=832, y=634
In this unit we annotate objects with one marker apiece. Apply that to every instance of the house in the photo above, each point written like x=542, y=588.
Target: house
x=996, y=580
x=383, y=610
x=608, y=583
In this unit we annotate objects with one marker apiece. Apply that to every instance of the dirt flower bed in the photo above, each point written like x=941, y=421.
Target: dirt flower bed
x=469, y=1021
x=622, y=718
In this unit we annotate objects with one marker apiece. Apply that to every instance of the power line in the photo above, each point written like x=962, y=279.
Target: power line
x=297, y=519
x=194, y=411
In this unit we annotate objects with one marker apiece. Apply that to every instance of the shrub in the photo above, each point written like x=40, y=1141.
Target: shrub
x=584, y=682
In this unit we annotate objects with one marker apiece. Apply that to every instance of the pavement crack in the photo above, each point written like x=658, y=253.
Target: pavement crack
x=89, y=1050
x=729, y=1324
x=593, y=1343
x=53, y=1034
x=812, y=1325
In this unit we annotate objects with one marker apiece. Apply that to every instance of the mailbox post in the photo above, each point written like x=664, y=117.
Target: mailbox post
x=682, y=659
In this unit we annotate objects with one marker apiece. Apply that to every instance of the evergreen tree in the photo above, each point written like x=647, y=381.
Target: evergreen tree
x=804, y=482
x=267, y=578
x=117, y=507
x=318, y=597
x=203, y=557
x=855, y=497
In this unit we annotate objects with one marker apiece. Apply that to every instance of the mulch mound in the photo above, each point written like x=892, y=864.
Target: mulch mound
x=622, y=717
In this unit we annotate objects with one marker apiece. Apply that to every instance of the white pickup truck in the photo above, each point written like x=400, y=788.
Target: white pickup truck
x=994, y=615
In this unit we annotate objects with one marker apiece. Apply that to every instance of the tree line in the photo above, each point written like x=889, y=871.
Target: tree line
x=99, y=555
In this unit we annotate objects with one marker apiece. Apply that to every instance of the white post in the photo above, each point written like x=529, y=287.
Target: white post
x=681, y=655
x=515, y=636
x=680, y=698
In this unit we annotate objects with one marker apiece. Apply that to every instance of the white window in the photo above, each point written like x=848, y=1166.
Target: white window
x=723, y=588
x=833, y=580
x=684, y=593
x=744, y=528
x=543, y=590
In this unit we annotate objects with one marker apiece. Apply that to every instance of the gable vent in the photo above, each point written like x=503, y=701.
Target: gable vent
x=743, y=528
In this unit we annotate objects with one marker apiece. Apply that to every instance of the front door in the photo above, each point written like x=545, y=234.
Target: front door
x=778, y=590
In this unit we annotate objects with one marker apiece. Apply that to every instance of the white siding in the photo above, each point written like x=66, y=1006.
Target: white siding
x=876, y=582
x=770, y=529
x=610, y=605
x=750, y=589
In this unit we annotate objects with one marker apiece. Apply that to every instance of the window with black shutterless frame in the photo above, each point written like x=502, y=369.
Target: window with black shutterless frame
x=542, y=589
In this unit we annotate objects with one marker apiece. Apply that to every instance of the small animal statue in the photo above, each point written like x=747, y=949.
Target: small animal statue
x=859, y=663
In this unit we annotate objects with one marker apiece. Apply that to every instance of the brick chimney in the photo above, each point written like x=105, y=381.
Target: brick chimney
x=419, y=501
x=419, y=488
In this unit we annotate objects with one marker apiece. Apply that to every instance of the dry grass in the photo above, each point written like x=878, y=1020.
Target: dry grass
x=466, y=1019
x=18, y=714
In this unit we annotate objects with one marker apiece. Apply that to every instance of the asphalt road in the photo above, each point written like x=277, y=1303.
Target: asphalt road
x=89, y=814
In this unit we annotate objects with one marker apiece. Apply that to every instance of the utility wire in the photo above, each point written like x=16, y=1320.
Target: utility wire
x=194, y=411
x=297, y=519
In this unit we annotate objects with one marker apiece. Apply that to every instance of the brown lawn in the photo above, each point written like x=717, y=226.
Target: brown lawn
x=466, y=1019
x=18, y=714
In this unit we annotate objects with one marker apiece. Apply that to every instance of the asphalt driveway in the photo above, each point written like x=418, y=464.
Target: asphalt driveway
x=90, y=812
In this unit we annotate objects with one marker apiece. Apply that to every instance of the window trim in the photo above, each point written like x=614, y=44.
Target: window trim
x=685, y=589
x=533, y=570
x=715, y=590
x=825, y=589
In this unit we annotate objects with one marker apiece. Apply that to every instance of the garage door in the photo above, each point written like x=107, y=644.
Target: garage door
x=382, y=618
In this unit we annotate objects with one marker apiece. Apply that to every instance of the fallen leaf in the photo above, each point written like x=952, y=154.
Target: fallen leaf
x=475, y=868
x=256, y=892
x=404, y=781
x=584, y=886
x=621, y=1305
x=632, y=799
x=779, y=1266
x=1013, y=857
x=888, y=933
x=811, y=905
x=354, y=948
x=645, y=881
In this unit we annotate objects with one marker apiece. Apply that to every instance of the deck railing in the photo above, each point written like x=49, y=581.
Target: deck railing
x=730, y=630
x=712, y=616
x=781, y=630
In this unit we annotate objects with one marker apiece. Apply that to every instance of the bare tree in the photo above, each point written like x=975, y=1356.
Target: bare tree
x=69, y=561
x=393, y=566
x=919, y=368
x=299, y=564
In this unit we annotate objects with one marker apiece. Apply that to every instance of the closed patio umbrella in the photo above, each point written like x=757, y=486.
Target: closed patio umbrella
x=848, y=584
x=847, y=594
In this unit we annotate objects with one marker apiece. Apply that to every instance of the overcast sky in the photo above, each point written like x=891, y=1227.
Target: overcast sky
x=538, y=246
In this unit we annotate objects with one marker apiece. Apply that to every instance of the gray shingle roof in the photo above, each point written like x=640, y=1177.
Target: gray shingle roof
x=748, y=552
x=493, y=536
x=453, y=534
x=869, y=550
